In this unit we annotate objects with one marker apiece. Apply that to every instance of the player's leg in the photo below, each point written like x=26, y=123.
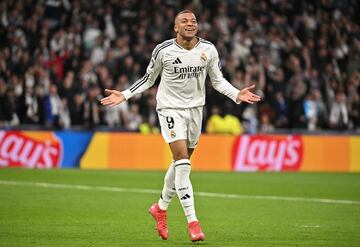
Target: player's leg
x=171, y=129
x=168, y=191
x=183, y=185
x=158, y=210
x=193, y=134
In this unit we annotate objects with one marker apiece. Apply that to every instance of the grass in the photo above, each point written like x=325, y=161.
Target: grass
x=41, y=216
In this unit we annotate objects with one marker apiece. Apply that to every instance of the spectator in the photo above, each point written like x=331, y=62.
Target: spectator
x=216, y=124
x=354, y=100
x=77, y=110
x=30, y=107
x=65, y=118
x=53, y=108
x=311, y=112
x=281, y=110
x=93, y=112
x=134, y=118
x=117, y=116
x=56, y=64
x=8, y=105
x=339, y=116
x=265, y=125
x=322, y=112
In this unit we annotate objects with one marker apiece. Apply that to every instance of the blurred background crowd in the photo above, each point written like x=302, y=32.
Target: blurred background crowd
x=57, y=56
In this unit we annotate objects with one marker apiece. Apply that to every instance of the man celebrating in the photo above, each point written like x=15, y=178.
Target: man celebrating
x=184, y=63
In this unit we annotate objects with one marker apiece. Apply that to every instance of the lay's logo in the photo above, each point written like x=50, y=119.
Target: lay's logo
x=268, y=153
x=24, y=149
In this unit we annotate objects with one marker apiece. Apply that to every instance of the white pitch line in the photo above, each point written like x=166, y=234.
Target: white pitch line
x=205, y=194
x=308, y=226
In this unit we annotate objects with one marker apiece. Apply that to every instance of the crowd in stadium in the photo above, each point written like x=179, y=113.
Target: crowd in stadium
x=58, y=56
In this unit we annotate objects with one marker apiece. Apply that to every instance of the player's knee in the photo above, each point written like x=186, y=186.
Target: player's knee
x=180, y=155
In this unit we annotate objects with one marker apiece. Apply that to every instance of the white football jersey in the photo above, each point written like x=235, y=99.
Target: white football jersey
x=183, y=73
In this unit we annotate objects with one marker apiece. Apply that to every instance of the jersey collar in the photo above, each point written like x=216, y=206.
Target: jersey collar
x=199, y=39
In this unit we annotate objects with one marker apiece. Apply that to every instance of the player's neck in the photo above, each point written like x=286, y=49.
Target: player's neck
x=186, y=44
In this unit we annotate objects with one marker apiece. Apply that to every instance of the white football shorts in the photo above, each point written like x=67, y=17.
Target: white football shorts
x=181, y=124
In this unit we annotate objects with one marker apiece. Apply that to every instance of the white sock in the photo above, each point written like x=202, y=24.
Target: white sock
x=168, y=191
x=184, y=188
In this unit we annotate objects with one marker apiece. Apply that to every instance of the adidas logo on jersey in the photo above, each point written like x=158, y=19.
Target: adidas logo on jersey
x=177, y=61
x=185, y=197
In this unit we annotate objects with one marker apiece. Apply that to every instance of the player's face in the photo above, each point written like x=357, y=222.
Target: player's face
x=186, y=25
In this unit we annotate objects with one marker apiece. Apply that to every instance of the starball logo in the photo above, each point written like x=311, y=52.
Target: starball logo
x=268, y=153
x=19, y=150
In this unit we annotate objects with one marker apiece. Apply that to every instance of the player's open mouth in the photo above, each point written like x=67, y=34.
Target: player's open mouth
x=189, y=29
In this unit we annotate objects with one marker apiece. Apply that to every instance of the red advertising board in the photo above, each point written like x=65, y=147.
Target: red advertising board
x=29, y=150
x=267, y=153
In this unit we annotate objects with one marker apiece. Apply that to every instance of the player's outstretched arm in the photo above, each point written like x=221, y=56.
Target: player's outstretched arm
x=115, y=97
x=246, y=96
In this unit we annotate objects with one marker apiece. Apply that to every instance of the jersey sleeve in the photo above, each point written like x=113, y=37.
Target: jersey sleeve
x=152, y=72
x=217, y=79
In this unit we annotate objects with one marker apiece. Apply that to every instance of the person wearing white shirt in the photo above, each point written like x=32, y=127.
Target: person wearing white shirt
x=183, y=62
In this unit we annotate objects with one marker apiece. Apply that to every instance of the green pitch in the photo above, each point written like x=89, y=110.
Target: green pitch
x=49, y=208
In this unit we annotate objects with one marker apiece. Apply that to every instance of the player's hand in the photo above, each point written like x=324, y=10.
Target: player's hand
x=246, y=96
x=115, y=98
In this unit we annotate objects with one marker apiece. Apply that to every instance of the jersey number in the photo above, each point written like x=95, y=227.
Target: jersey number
x=170, y=121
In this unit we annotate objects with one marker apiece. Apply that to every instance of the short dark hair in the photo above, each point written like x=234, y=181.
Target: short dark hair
x=183, y=12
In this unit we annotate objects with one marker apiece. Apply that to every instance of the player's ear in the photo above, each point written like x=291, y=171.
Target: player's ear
x=176, y=28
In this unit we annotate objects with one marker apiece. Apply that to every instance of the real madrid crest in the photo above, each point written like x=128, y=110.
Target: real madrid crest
x=203, y=57
x=172, y=134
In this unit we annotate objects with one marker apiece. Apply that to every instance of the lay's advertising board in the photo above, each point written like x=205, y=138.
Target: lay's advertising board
x=132, y=151
x=296, y=153
x=246, y=153
x=42, y=149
